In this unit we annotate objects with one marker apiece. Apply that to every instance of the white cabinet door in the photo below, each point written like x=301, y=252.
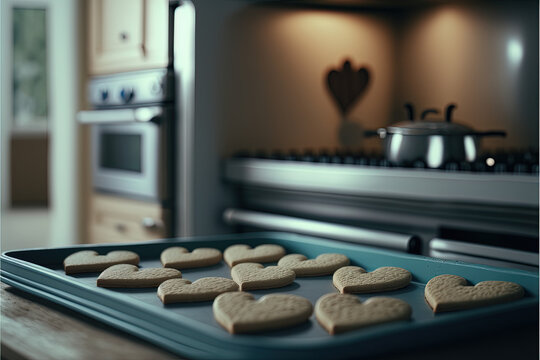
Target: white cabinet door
x=127, y=35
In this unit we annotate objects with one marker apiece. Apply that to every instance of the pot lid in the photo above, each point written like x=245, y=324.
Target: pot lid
x=429, y=128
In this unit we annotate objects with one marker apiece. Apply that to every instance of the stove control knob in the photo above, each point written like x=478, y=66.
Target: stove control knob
x=127, y=94
x=104, y=95
x=156, y=88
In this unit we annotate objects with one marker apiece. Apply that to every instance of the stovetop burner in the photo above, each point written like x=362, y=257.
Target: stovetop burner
x=517, y=162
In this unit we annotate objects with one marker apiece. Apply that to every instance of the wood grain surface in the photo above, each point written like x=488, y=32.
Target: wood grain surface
x=33, y=328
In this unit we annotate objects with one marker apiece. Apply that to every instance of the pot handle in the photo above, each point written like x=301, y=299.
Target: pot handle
x=490, y=133
x=371, y=133
x=410, y=111
x=449, y=109
x=381, y=133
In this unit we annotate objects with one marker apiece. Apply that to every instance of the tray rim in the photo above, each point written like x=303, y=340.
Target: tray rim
x=277, y=235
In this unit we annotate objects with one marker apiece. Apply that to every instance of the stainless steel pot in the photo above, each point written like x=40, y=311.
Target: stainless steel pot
x=434, y=142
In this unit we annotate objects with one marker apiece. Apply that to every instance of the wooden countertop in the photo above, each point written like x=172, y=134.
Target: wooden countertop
x=34, y=328
x=37, y=329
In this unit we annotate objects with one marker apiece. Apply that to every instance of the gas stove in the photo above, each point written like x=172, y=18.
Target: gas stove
x=516, y=162
x=363, y=198
x=500, y=178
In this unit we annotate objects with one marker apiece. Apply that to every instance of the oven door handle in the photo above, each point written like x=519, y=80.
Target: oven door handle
x=396, y=241
x=138, y=115
x=455, y=247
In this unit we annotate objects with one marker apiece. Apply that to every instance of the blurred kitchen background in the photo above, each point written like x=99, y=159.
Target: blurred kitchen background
x=249, y=131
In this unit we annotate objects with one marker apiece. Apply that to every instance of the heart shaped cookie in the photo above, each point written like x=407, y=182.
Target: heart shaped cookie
x=239, y=312
x=450, y=292
x=90, y=261
x=354, y=279
x=130, y=276
x=180, y=258
x=205, y=289
x=241, y=253
x=339, y=313
x=252, y=276
x=323, y=264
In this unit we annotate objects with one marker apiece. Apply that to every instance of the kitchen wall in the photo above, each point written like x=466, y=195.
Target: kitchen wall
x=274, y=66
x=481, y=55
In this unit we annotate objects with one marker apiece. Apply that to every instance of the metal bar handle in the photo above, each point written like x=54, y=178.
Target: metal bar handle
x=396, y=241
x=139, y=115
x=486, y=251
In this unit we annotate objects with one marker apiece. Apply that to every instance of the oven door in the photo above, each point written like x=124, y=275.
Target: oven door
x=125, y=159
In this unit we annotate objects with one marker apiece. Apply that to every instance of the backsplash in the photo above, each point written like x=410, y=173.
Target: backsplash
x=274, y=63
x=482, y=56
x=274, y=75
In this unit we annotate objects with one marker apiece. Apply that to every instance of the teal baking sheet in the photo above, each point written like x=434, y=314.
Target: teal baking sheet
x=190, y=329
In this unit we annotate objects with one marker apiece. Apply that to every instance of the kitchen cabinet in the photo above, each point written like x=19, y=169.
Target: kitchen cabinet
x=117, y=219
x=127, y=35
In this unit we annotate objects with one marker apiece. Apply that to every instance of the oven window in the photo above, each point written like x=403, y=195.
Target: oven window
x=121, y=152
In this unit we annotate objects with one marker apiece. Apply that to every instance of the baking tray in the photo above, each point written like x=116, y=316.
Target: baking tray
x=190, y=329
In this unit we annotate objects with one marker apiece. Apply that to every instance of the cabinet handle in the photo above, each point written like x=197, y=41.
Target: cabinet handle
x=121, y=228
x=124, y=36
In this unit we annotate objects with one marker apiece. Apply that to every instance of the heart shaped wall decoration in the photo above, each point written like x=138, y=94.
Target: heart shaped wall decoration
x=347, y=85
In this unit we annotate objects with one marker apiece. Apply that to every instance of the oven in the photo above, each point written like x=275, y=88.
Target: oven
x=128, y=158
x=132, y=135
x=142, y=131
